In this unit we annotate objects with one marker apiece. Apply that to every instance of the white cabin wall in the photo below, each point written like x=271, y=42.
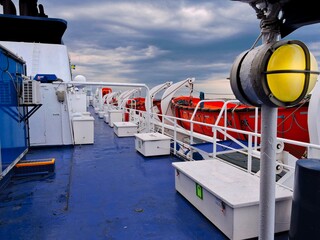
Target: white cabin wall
x=50, y=125
x=43, y=58
x=77, y=101
x=313, y=122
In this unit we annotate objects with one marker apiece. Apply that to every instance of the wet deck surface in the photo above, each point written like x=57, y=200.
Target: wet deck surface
x=102, y=191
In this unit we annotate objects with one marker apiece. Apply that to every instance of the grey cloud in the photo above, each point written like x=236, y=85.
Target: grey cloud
x=155, y=41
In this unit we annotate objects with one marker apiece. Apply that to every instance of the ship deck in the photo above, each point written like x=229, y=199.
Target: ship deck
x=102, y=191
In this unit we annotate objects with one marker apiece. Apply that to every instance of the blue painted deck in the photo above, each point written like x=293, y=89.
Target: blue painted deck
x=224, y=145
x=101, y=191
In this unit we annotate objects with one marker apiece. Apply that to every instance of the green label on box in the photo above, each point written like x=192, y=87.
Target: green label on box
x=199, y=191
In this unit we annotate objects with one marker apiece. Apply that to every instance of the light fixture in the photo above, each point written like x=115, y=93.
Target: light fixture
x=275, y=74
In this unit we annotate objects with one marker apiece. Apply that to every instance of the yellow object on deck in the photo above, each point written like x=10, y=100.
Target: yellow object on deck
x=34, y=163
x=31, y=167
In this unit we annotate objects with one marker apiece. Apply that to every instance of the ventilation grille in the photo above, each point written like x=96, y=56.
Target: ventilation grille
x=30, y=92
x=5, y=94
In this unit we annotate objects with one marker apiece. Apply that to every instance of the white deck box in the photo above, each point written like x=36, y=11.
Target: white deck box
x=101, y=113
x=86, y=114
x=83, y=129
x=125, y=129
x=106, y=117
x=152, y=144
x=115, y=116
x=229, y=197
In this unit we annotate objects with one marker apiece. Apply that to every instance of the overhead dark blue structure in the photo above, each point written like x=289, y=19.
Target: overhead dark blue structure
x=32, y=25
x=294, y=13
x=32, y=29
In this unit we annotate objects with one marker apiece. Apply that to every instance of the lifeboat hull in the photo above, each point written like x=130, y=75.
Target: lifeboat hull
x=292, y=121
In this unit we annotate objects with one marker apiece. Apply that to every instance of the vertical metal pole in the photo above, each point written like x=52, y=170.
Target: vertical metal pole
x=268, y=163
x=267, y=172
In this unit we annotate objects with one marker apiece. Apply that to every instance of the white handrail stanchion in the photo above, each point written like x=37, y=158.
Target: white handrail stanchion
x=175, y=137
x=249, y=166
x=214, y=142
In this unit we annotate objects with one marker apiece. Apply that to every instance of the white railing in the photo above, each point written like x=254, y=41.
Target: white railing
x=183, y=138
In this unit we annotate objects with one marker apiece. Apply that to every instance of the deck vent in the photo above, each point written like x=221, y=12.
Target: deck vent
x=30, y=92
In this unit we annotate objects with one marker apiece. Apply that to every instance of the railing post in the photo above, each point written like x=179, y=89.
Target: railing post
x=256, y=122
x=249, y=166
x=214, y=145
x=162, y=124
x=175, y=136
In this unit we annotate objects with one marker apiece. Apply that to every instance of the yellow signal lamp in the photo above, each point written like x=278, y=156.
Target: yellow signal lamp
x=277, y=74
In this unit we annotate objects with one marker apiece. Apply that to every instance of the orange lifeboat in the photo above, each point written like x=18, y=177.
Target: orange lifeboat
x=292, y=121
x=106, y=90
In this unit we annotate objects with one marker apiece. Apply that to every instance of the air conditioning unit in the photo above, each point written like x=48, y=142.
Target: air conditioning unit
x=30, y=92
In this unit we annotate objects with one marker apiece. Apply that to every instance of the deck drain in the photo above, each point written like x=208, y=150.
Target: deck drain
x=138, y=210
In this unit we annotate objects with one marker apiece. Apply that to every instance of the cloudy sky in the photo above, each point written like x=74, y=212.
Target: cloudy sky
x=154, y=41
